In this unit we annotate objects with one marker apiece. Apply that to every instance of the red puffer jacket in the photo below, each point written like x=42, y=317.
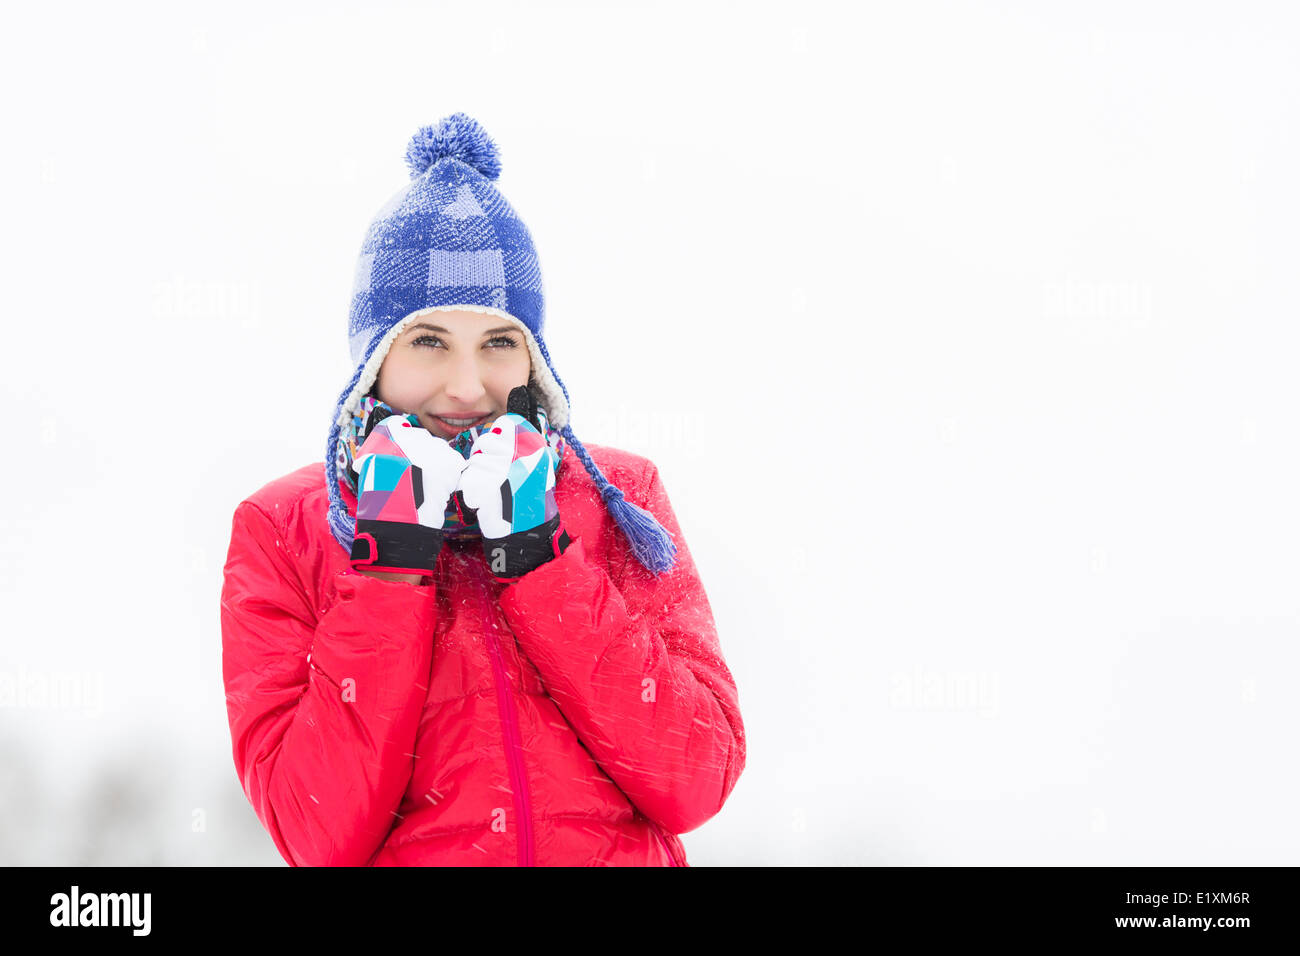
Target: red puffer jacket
x=582, y=715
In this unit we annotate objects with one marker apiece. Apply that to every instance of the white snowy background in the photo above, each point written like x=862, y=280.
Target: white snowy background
x=964, y=336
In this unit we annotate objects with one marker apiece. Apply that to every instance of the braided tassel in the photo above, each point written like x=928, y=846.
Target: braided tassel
x=651, y=543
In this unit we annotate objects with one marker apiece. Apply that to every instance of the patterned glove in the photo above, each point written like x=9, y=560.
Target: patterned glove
x=509, y=480
x=405, y=474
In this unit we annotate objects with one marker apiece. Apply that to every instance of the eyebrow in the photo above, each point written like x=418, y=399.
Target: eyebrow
x=439, y=328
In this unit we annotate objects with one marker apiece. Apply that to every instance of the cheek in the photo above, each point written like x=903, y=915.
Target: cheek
x=522, y=365
x=405, y=380
x=514, y=368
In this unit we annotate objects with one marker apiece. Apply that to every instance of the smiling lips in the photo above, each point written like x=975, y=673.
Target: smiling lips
x=457, y=424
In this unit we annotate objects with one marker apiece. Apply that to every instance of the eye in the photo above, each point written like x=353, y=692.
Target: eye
x=432, y=341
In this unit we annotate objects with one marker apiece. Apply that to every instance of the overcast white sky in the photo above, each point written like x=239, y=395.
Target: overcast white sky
x=963, y=336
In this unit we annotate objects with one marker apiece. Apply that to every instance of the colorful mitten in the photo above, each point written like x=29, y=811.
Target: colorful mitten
x=405, y=474
x=509, y=480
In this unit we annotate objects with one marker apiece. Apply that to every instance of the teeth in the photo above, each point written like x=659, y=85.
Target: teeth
x=458, y=421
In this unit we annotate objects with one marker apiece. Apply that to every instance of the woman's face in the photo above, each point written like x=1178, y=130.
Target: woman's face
x=459, y=365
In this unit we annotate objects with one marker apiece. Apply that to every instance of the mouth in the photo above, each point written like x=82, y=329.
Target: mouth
x=451, y=427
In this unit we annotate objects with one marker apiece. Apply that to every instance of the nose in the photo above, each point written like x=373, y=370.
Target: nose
x=464, y=382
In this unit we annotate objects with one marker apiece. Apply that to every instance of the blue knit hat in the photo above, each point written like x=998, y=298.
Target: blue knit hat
x=449, y=240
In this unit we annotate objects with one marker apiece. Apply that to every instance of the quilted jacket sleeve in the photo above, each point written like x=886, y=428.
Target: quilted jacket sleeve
x=638, y=672
x=323, y=707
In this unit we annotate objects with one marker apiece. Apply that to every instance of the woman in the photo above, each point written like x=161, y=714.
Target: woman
x=496, y=654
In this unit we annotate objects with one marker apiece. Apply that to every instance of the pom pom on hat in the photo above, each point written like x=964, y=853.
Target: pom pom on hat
x=457, y=136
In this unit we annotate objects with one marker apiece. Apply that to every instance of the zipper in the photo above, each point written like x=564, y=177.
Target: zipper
x=514, y=748
x=662, y=842
x=510, y=725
